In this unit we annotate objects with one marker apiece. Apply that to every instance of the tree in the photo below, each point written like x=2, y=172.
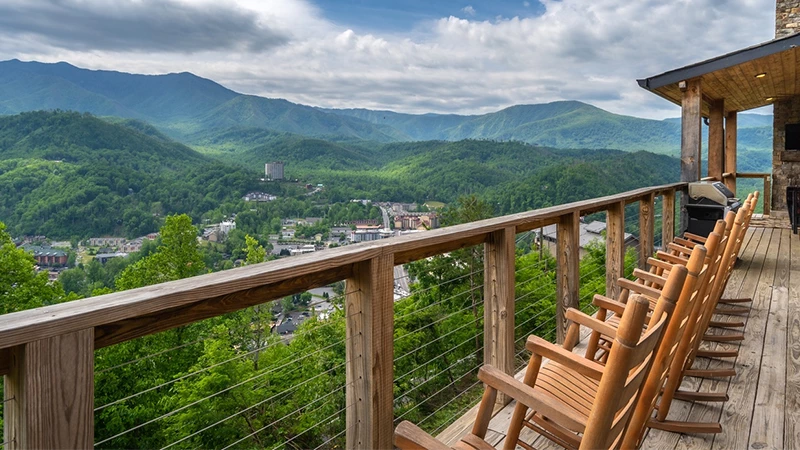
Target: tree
x=20, y=286
x=255, y=252
x=177, y=257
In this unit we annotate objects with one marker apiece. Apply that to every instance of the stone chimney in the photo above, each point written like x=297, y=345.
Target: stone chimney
x=787, y=17
x=785, y=110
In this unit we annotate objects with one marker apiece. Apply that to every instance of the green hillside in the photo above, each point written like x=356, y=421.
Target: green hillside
x=73, y=175
x=176, y=103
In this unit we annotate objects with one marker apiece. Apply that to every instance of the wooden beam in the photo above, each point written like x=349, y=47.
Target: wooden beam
x=52, y=384
x=667, y=218
x=568, y=270
x=767, y=197
x=646, y=229
x=369, y=309
x=498, y=310
x=730, y=150
x=691, y=103
x=615, y=248
x=716, y=138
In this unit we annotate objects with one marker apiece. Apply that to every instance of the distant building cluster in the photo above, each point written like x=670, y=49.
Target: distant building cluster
x=274, y=170
x=259, y=197
x=589, y=232
x=416, y=221
x=365, y=233
x=219, y=231
x=47, y=256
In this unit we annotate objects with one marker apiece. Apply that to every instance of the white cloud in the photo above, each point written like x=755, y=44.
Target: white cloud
x=469, y=10
x=526, y=4
x=589, y=51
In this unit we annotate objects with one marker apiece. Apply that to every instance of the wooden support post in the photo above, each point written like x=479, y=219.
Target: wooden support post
x=767, y=197
x=646, y=229
x=498, y=310
x=567, y=270
x=667, y=218
x=716, y=138
x=691, y=103
x=730, y=150
x=52, y=385
x=615, y=247
x=370, y=354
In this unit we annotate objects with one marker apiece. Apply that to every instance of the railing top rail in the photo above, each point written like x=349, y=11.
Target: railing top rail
x=125, y=315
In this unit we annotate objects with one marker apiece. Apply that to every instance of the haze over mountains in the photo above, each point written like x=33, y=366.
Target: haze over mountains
x=189, y=108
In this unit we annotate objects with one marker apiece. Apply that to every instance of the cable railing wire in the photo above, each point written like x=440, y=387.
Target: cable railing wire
x=183, y=377
x=397, y=419
x=452, y=297
x=255, y=405
x=411, y=352
x=152, y=355
x=184, y=407
x=445, y=370
x=458, y=414
x=413, y=389
x=439, y=320
x=269, y=425
x=332, y=438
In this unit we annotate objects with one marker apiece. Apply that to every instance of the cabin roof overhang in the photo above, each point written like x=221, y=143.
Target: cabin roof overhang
x=748, y=78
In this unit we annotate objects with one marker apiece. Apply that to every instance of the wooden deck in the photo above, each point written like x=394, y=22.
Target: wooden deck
x=764, y=405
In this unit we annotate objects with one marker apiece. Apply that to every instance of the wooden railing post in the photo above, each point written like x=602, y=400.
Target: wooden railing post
x=667, y=218
x=369, y=309
x=615, y=247
x=568, y=270
x=498, y=310
x=767, y=197
x=646, y=228
x=51, y=383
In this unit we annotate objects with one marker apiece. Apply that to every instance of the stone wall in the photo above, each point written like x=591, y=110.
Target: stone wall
x=785, y=165
x=787, y=17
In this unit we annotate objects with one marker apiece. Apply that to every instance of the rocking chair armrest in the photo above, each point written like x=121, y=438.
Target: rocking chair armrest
x=590, y=322
x=663, y=265
x=564, y=357
x=522, y=393
x=685, y=242
x=638, y=288
x=601, y=301
x=672, y=259
x=650, y=277
x=408, y=436
x=680, y=249
x=694, y=237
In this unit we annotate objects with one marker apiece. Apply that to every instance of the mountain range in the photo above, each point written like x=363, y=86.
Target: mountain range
x=191, y=109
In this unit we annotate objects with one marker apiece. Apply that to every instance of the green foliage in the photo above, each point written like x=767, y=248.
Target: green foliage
x=68, y=175
x=20, y=286
x=177, y=257
x=255, y=252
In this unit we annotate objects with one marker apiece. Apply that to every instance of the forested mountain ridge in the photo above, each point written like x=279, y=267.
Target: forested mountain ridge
x=184, y=106
x=562, y=124
x=69, y=174
x=73, y=175
x=177, y=103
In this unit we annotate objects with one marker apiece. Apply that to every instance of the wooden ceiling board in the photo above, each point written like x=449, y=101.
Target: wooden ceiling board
x=732, y=78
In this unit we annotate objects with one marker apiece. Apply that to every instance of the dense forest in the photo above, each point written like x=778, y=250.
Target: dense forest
x=71, y=176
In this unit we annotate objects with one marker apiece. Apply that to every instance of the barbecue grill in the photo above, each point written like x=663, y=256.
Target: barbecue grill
x=708, y=202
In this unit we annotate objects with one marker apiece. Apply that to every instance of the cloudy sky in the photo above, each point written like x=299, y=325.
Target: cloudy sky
x=459, y=56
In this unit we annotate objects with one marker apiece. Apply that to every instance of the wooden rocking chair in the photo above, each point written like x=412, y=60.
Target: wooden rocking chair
x=594, y=419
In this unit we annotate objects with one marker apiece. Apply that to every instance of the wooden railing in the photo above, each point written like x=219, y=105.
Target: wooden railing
x=767, y=197
x=47, y=354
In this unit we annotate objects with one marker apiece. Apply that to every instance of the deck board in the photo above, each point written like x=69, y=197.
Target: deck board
x=764, y=406
x=791, y=430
